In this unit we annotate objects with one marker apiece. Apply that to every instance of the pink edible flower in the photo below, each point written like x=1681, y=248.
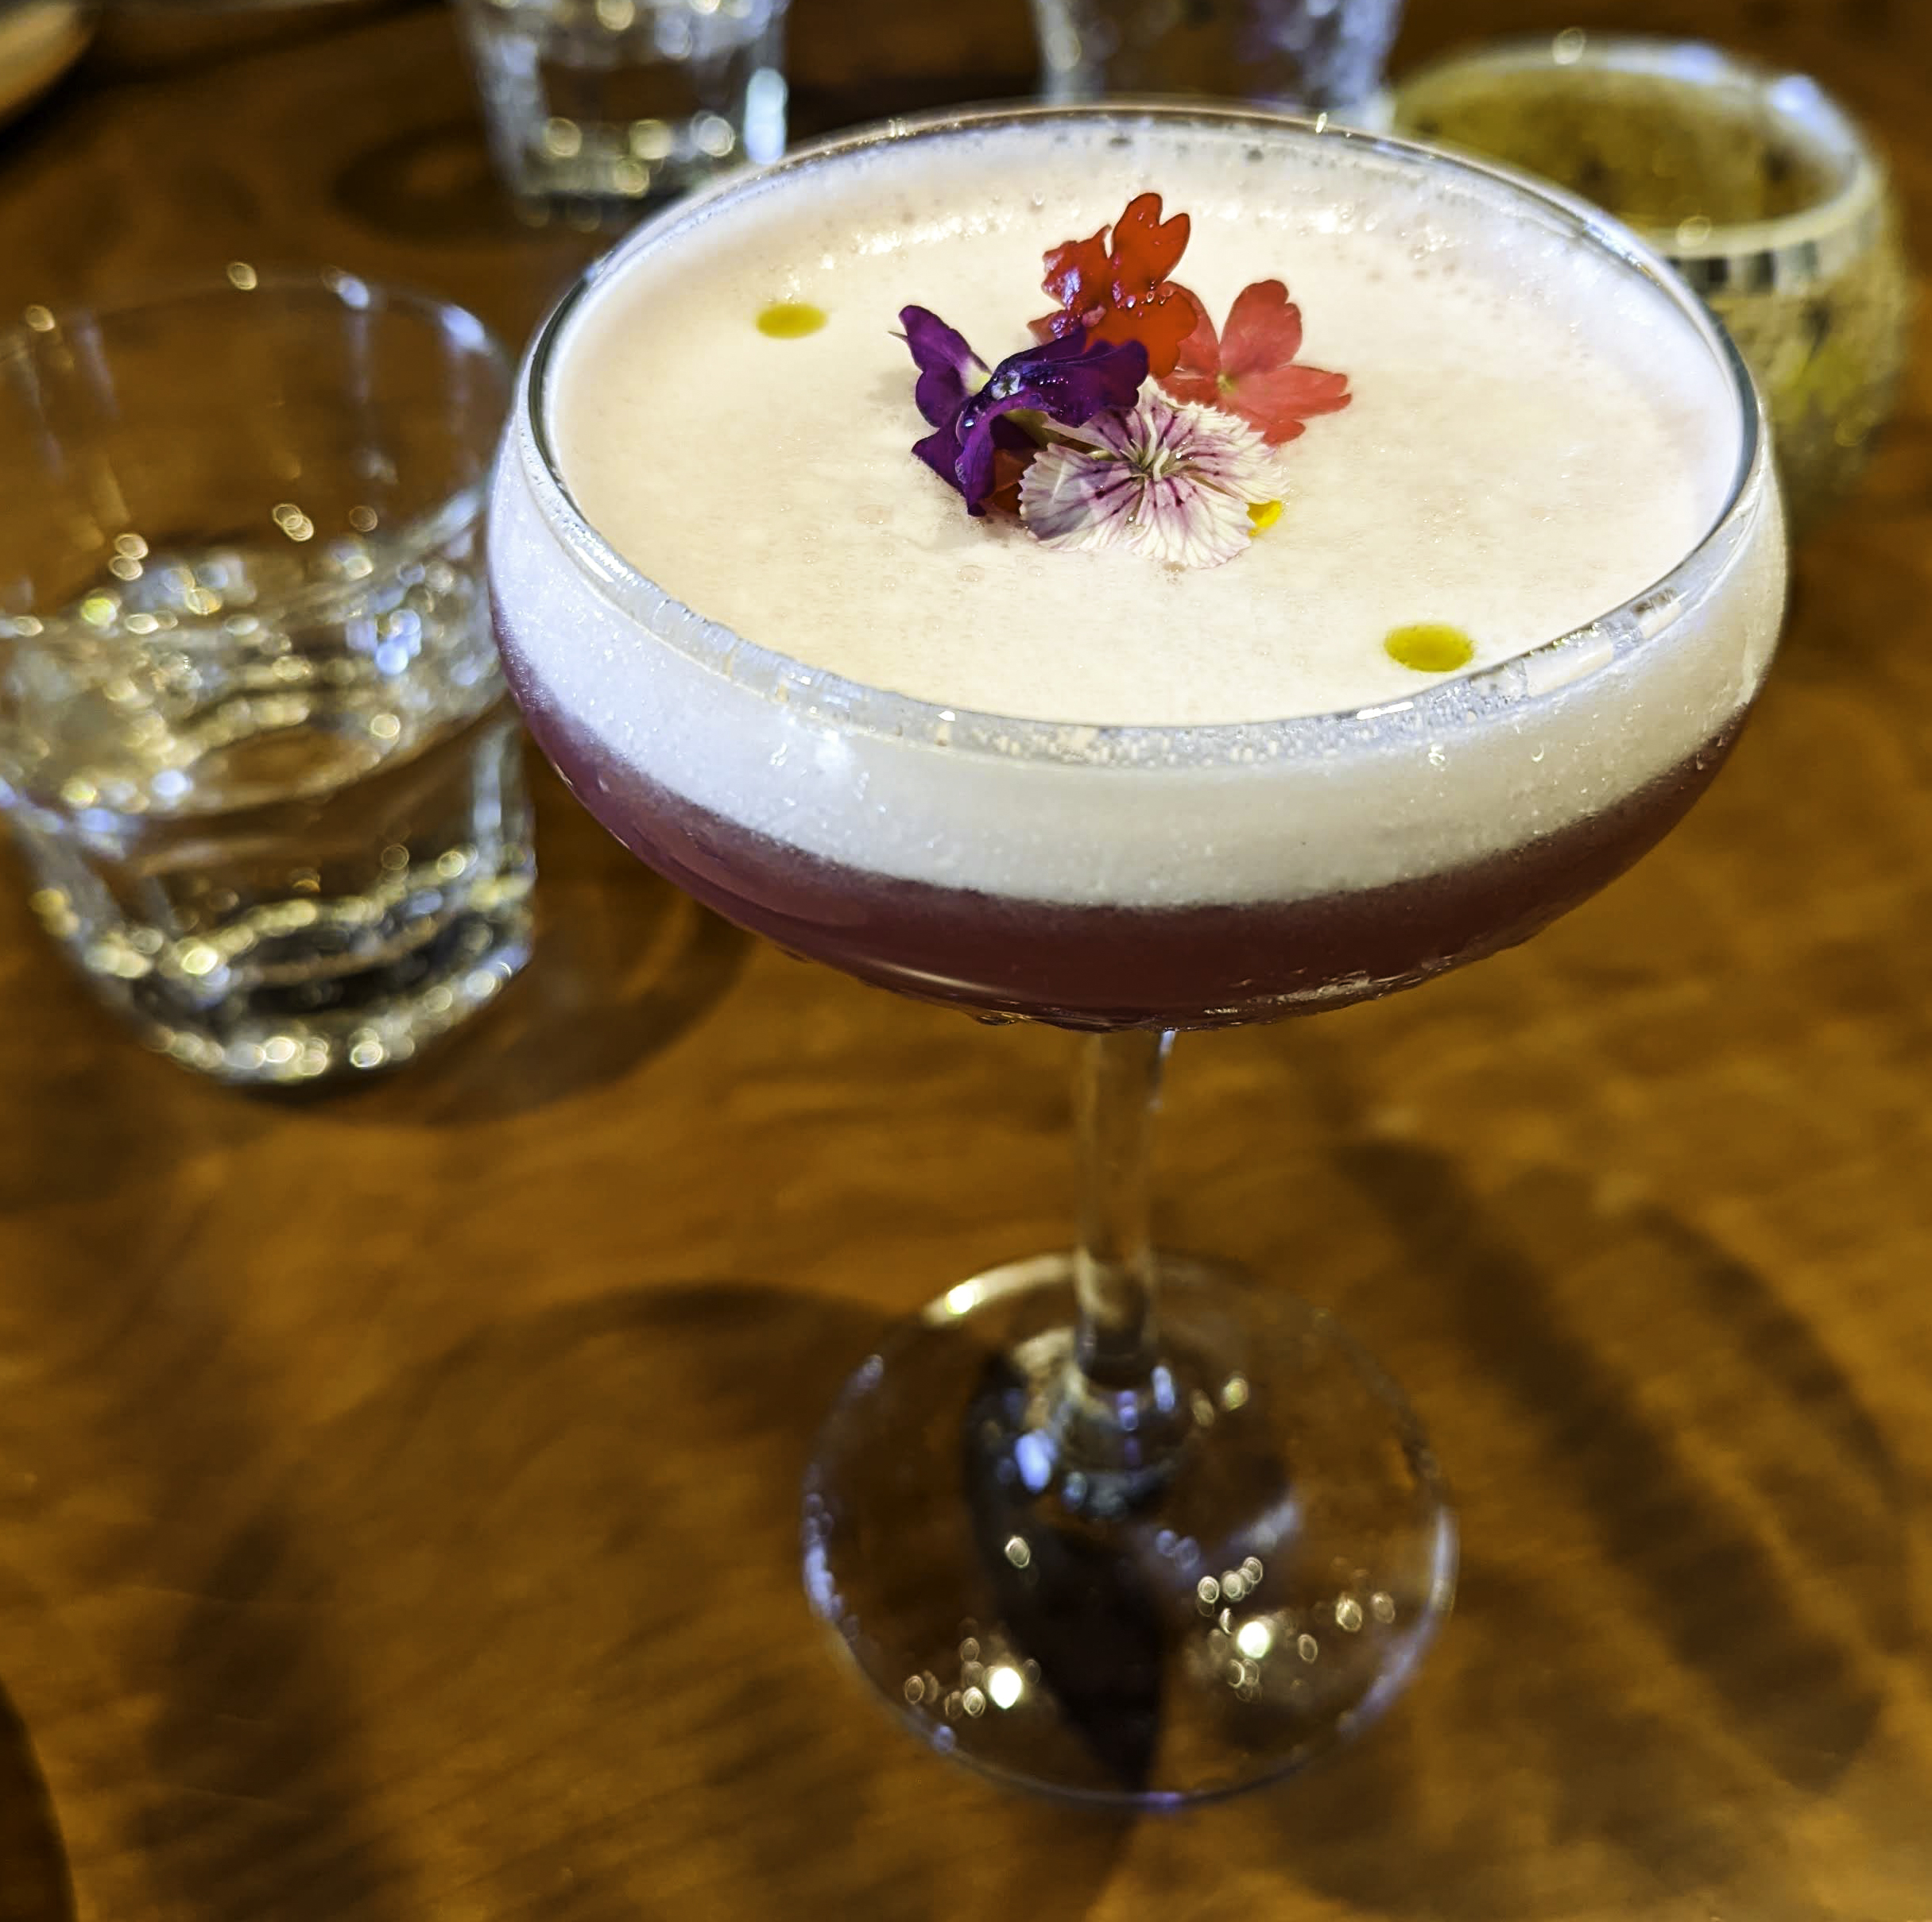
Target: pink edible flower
x=1250, y=368
x=1173, y=482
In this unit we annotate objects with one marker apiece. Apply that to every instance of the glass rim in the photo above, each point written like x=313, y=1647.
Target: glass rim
x=324, y=287
x=1783, y=246
x=1641, y=621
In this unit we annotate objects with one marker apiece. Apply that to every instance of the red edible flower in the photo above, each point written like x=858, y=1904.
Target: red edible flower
x=1250, y=369
x=1121, y=292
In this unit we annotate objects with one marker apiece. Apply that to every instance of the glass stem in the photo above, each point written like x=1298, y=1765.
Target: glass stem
x=1117, y=1092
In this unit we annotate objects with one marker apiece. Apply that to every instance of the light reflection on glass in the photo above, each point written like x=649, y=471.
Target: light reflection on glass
x=1255, y=1638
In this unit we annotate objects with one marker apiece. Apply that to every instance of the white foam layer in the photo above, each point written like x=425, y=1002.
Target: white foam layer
x=1534, y=437
x=1538, y=434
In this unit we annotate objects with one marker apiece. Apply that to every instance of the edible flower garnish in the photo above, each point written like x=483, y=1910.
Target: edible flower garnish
x=1121, y=292
x=1134, y=423
x=1175, y=482
x=1249, y=368
x=1069, y=381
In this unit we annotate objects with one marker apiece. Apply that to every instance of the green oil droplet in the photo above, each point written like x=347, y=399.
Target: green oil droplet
x=790, y=320
x=1429, y=647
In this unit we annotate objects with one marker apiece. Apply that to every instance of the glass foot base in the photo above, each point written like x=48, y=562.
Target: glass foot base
x=1136, y=1626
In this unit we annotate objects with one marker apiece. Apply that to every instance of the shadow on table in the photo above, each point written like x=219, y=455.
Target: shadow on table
x=528, y=1626
x=623, y=964
x=34, y=1883
x=524, y=1623
x=1682, y=1580
x=602, y=994
x=434, y=186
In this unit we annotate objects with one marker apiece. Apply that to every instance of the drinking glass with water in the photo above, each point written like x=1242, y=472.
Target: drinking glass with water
x=1306, y=56
x=253, y=740
x=595, y=107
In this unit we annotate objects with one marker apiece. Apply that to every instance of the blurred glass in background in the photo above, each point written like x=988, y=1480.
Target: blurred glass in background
x=595, y=107
x=254, y=737
x=39, y=40
x=1304, y=55
x=1759, y=189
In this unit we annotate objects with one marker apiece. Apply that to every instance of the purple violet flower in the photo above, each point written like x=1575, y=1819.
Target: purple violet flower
x=1172, y=481
x=1067, y=380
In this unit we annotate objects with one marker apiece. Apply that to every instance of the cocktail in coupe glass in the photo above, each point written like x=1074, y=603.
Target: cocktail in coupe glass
x=1118, y=1550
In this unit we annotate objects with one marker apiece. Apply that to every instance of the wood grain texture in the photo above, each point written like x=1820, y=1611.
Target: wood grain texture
x=397, y=1491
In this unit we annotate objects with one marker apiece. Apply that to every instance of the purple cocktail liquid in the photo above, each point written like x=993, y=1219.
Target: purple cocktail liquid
x=1211, y=964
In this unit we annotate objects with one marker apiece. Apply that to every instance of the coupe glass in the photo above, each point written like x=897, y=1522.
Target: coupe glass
x=1107, y=1522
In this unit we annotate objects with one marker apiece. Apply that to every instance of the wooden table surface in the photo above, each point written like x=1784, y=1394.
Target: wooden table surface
x=397, y=1492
